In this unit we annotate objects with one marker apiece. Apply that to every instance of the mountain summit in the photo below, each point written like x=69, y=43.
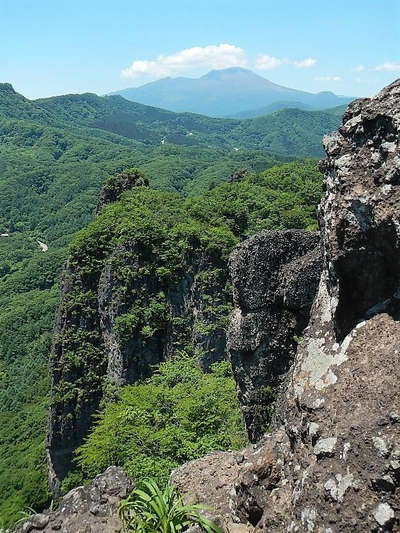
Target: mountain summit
x=226, y=93
x=234, y=74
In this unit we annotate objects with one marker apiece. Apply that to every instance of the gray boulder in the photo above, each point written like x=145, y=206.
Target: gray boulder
x=91, y=509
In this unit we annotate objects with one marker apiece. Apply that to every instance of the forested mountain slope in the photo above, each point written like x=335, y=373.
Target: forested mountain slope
x=261, y=111
x=51, y=169
x=284, y=196
x=53, y=160
x=153, y=126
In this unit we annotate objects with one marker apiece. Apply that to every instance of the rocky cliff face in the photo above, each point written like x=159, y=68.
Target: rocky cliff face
x=275, y=276
x=332, y=464
x=332, y=460
x=122, y=312
x=115, y=186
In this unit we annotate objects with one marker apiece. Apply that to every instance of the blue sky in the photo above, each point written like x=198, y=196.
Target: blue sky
x=50, y=47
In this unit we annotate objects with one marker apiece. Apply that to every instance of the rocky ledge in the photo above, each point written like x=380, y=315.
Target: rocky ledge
x=91, y=509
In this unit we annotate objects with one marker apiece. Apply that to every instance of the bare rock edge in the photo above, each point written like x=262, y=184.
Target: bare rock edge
x=331, y=464
x=92, y=509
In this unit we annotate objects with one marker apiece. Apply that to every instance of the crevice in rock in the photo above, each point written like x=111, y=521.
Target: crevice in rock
x=377, y=279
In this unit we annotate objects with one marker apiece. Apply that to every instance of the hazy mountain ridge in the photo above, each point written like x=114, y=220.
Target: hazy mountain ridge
x=226, y=92
x=266, y=110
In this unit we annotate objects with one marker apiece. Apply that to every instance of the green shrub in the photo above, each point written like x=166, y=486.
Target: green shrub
x=149, y=509
x=179, y=414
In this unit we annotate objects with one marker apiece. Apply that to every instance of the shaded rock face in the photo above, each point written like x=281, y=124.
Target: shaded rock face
x=275, y=276
x=91, y=358
x=91, y=509
x=332, y=462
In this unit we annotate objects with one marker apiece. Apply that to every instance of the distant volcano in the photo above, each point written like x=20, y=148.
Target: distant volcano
x=227, y=92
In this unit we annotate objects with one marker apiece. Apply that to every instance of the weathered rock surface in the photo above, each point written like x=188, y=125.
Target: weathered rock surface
x=92, y=509
x=275, y=277
x=332, y=463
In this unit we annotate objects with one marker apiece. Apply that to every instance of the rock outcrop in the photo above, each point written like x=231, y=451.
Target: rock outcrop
x=91, y=358
x=92, y=509
x=332, y=463
x=130, y=299
x=275, y=277
x=116, y=185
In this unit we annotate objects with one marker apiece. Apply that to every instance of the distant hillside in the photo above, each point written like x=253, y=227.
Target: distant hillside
x=290, y=132
x=225, y=93
x=49, y=146
x=337, y=111
x=266, y=110
x=279, y=106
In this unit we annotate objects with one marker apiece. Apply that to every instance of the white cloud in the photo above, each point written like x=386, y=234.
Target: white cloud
x=359, y=68
x=389, y=67
x=208, y=57
x=328, y=78
x=305, y=63
x=205, y=58
x=266, y=62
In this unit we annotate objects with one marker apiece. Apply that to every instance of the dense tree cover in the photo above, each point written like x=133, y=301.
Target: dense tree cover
x=28, y=297
x=282, y=196
x=177, y=415
x=289, y=131
x=159, y=232
x=277, y=106
x=52, y=160
x=51, y=168
x=50, y=177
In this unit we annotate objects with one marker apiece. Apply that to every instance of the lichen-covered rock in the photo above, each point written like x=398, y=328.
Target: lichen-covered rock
x=275, y=276
x=333, y=464
x=91, y=509
x=360, y=211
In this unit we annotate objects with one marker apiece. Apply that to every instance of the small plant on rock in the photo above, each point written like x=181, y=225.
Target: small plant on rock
x=149, y=509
